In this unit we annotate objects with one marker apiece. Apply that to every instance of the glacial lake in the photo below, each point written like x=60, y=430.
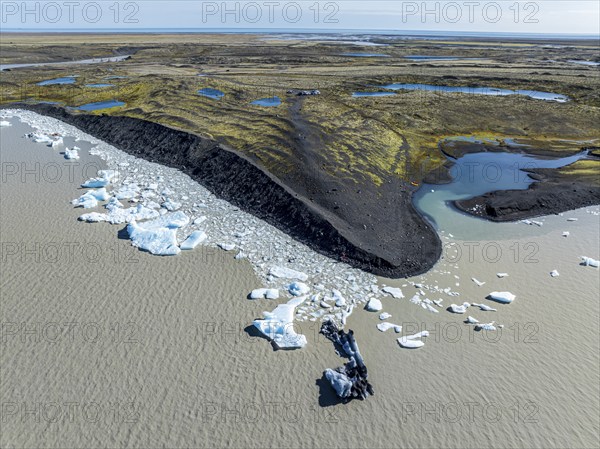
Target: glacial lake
x=267, y=102
x=100, y=105
x=63, y=80
x=535, y=94
x=215, y=94
x=476, y=174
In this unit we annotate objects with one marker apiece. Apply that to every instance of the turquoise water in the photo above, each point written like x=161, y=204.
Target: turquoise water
x=535, y=94
x=100, y=105
x=267, y=102
x=473, y=175
x=63, y=80
x=215, y=94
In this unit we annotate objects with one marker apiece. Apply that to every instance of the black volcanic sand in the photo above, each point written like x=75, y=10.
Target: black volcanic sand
x=376, y=230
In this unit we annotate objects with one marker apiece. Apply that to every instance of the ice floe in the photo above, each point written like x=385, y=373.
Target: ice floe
x=4, y=123
x=158, y=236
x=288, y=273
x=502, y=275
x=384, y=316
x=394, y=291
x=554, y=273
x=386, y=326
x=459, y=309
x=278, y=325
x=478, y=283
x=118, y=215
x=471, y=320
x=566, y=234
x=484, y=307
x=485, y=326
x=374, y=305
x=90, y=199
x=503, y=297
x=413, y=341
x=72, y=153
x=298, y=289
x=193, y=240
x=269, y=293
x=589, y=262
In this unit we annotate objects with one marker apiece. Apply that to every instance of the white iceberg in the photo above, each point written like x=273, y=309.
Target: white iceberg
x=171, y=205
x=471, y=320
x=258, y=293
x=158, y=236
x=478, y=283
x=502, y=275
x=566, y=234
x=589, y=262
x=226, y=246
x=127, y=191
x=278, y=325
x=374, y=305
x=4, y=123
x=272, y=293
x=572, y=219
x=193, y=240
x=554, y=273
x=459, y=309
x=386, y=326
x=287, y=273
x=340, y=301
x=90, y=199
x=56, y=143
x=118, y=215
x=298, y=289
x=413, y=341
x=394, y=291
x=486, y=326
x=503, y=297
x=384, y=316
x=484, y=307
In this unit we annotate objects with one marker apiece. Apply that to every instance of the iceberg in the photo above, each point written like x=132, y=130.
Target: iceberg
x=278, y=325
x=484, y=307
x=384, y=316
x=171, y=205
x=459, y=309
x=118, y=215
x=158, y=236
x=71, y=154
x=478, y=283
x=502, y=275
x=258, y=293
x=90, y=199
x=471, y=320
x=193, y=240
x=340, y=382
x=394, y=291
x=56, y=143
x=127, y=191
x=589, y=262
x=4, y=123
x=298, y=289
x=226, y=246
x=374, y=305
x=386, y=326
x=554, y=273
x=413, y=341
x=340, y=301
x=503, y=297
x=566, y=234
x=288, y=273
x=486, y=326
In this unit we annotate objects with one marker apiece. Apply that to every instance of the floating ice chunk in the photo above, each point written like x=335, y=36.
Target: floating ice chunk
x=589, y=262
x=346, y=313
x=572, y=219
x=554, y=273
x=258, y=293
x=193, y=240
x=128, y=191
x=71, y=154
x=430, y=308
x=486, y=326
x=90, y=198
x=4, y=123
x=56, y=143
x=200, y=220
x=503, y=297
x=272, y=293
x=471, y=320
x=394, y=291
x=158, y=236
x=298, y=289
x=95, y=183
x=384, y=316
x=478, y=283
x=226, y=246
x=459, y=309
x=502, y=275
x=438, y=302
x=566, y=234
x=325, y=305
x=484, y=307
x=287, y=273
x=413, y=341
x=374, y=305
x=340, y=301
x=118, y=215
x=386, y=326
x=340, y=382
x=278, y=325
x=171, y=205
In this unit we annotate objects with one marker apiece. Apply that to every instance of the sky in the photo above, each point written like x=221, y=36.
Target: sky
x=544, y=16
